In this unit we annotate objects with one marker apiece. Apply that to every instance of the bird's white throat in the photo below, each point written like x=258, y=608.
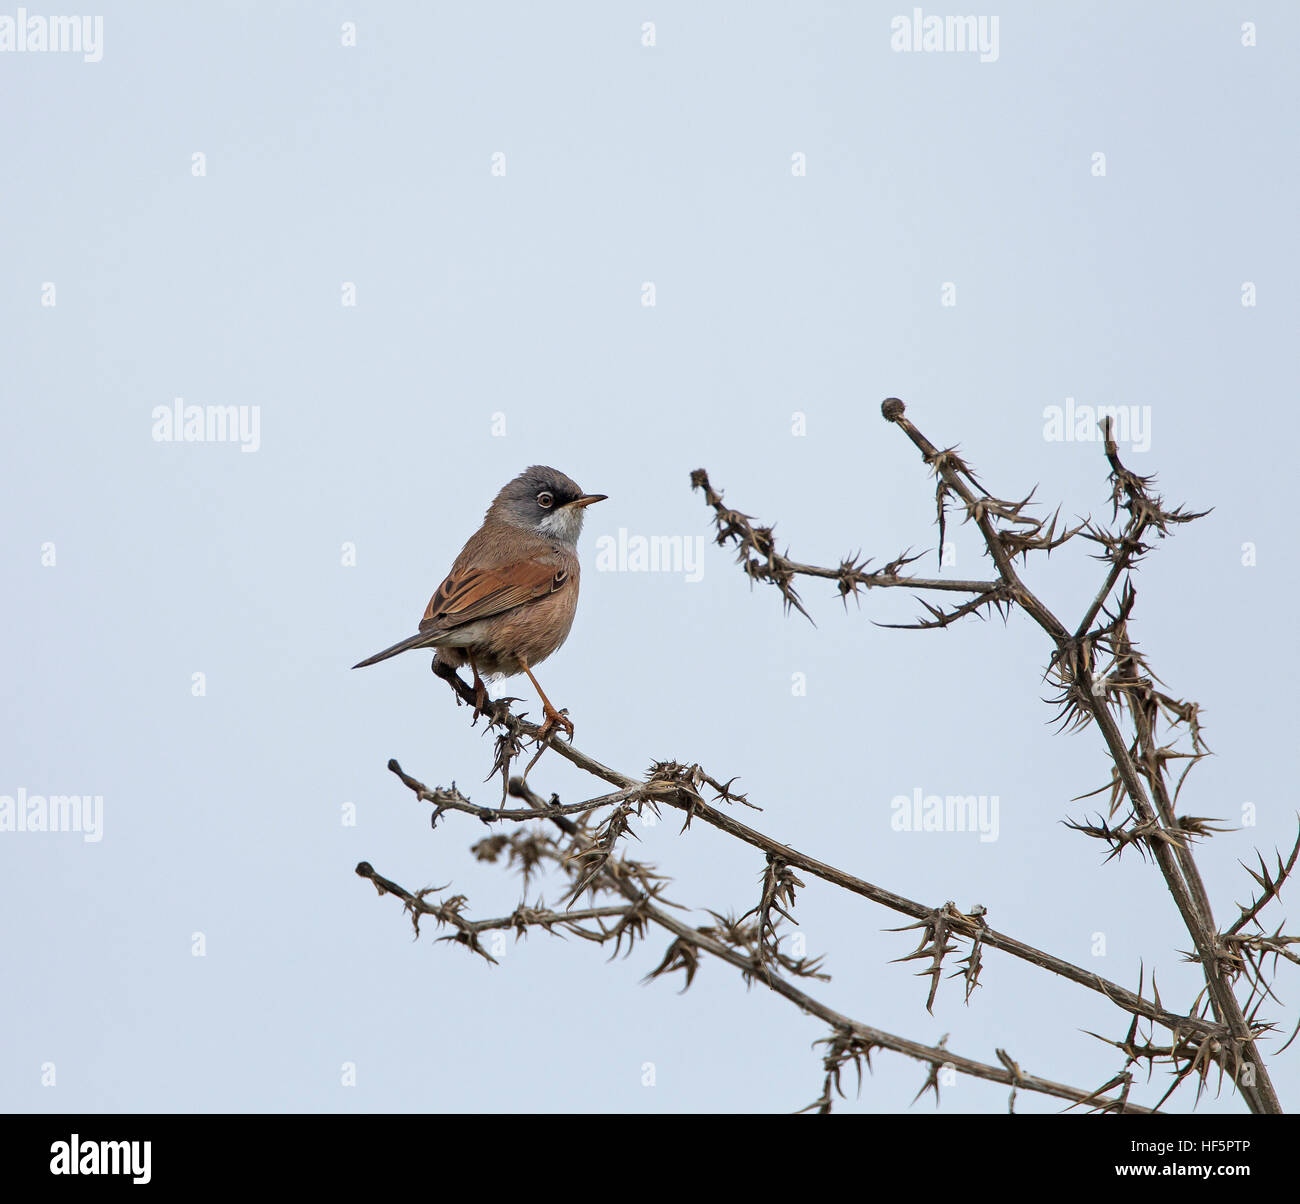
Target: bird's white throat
x=564, y=524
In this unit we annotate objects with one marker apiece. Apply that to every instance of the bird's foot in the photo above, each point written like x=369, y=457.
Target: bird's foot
x=481, y=699
x=555, y=721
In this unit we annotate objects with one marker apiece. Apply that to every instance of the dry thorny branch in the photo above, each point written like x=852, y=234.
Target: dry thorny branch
x=1101, y=678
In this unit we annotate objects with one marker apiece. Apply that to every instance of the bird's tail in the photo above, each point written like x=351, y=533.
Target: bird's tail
x=421, y=639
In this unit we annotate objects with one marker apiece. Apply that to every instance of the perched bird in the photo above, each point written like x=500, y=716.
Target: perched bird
x=509, y=600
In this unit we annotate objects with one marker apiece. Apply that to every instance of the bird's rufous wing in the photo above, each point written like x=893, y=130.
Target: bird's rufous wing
x=477, y=593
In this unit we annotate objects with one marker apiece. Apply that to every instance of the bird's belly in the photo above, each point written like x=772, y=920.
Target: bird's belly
x=470, y=636
x=503, y=644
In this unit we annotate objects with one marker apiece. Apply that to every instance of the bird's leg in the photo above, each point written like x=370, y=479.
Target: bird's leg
x=554, y=718
x=480, y=690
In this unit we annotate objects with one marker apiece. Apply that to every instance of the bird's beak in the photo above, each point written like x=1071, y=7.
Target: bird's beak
x=588, y=499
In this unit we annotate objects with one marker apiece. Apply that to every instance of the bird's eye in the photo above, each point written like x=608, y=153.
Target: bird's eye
x=545, y=500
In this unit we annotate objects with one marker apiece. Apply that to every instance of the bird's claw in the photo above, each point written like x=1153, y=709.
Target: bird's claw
x=481, y=699
x=555, y=721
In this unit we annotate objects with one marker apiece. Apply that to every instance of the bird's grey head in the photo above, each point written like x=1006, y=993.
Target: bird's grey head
x=543, y=500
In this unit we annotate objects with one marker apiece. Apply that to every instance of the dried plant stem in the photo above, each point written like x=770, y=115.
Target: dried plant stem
x=696, y=807
x=1195, y=911
x=866, y=1035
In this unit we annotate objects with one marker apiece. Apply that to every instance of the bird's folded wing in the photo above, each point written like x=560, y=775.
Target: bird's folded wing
x=478, y=593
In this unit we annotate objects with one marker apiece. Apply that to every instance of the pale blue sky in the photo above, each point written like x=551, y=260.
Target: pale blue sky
x=480, y=295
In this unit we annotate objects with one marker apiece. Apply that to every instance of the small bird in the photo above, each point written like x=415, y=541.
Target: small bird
x=509, y=600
